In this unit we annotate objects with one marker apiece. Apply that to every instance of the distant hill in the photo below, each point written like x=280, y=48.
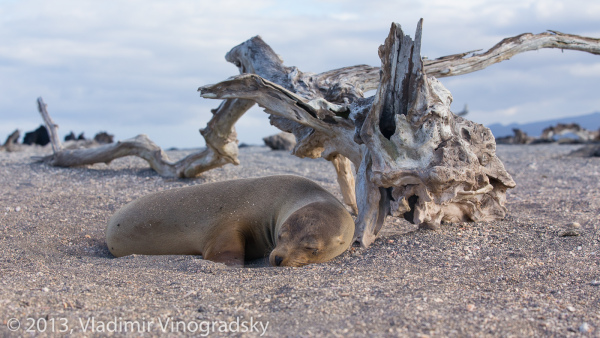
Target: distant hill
x=589, y=122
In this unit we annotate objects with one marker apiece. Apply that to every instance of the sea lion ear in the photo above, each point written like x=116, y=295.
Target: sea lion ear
x=340, y=240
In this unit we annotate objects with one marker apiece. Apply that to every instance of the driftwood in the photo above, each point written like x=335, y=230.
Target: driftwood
x=413, y=157
x=582, y=134
x=220, y=138
x=590, y=150
x=11, y=143
x=51, y=127
x=460, y=64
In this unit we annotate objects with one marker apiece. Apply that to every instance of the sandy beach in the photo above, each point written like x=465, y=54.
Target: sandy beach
x=514, y=277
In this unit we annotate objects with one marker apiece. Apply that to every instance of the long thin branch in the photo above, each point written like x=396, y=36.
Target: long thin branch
x=50, y=125
x=460, y=64
x=140, y=146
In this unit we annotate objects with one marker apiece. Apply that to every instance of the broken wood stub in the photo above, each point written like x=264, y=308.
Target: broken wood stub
x=436, y=165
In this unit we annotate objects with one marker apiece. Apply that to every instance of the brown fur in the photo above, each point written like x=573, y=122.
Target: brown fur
x=233, y=221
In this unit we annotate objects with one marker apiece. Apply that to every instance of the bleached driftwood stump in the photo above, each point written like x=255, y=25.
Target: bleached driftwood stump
x=413, y=157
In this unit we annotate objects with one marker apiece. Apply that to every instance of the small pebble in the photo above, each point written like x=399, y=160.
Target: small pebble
x=17, y=209
x=570, y=308
x=584, y=328
x=45, y=289
x=595, y=283
x=470, y=307
x=572, y=229
x=569, y=233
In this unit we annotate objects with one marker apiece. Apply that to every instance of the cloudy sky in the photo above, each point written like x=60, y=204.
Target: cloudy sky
x=133, y=66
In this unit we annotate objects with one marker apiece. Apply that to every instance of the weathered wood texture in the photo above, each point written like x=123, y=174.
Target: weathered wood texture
x=413, y=157
x=440, y=167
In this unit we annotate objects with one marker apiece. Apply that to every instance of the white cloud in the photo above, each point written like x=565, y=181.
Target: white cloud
x=345, y=16
x=591, y=70
x=506, y=112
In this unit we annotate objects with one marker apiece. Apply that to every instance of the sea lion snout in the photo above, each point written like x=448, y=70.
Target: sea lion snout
x=281, y=254
x=283, y=257
x=294, y=252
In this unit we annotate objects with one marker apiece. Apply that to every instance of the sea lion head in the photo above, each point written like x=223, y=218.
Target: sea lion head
x=315, y=233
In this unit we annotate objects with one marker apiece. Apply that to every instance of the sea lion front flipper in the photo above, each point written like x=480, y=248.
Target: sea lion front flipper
x=228, y=248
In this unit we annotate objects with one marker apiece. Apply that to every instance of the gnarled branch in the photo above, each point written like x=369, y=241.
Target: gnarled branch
x=220, y=136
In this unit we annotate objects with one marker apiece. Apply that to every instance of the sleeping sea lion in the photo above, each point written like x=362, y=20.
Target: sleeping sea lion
x=291, y=219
